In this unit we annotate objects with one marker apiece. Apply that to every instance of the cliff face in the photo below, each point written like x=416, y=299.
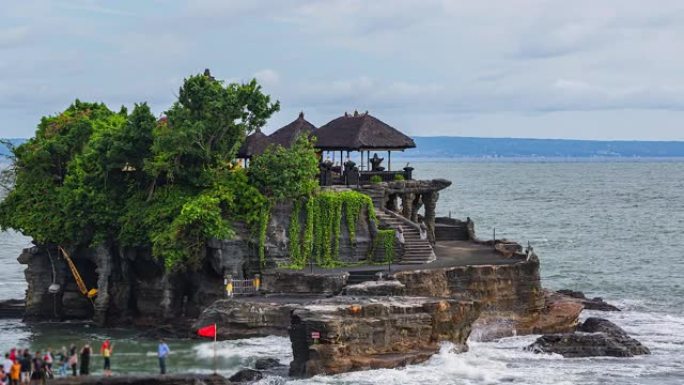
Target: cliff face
x=131, y=285
x=134, y=286
x=511, y=294
x=365, y=333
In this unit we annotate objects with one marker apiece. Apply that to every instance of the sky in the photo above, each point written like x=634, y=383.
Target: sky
x=511, y=68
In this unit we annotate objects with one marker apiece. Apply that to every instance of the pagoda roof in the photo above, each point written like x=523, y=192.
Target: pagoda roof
x=287, y=135
x=255, y=144
x=359, y=132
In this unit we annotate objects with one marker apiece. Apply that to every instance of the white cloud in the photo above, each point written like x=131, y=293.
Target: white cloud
x=267, y=77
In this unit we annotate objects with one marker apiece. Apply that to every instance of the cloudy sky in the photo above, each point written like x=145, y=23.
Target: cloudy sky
x=510, y=68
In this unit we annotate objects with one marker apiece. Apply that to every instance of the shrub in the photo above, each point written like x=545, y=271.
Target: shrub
x=375, y=179
x=399, y=177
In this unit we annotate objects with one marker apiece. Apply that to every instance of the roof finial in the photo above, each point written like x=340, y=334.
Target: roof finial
x=301, y=114
x=356, y=113
x=346, y=115
x=366, y=113
x=207, y=73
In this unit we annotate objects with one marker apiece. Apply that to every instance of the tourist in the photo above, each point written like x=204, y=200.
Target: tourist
x=106, y=351
x=25, y=362
x=13, y=354
x=73, y=359
x=48, y=363
x=38, y=373
x=7, y=363
x=163, y=353
x=85, y=359
x=400, y=235
x=63, y=361
x=15, y=373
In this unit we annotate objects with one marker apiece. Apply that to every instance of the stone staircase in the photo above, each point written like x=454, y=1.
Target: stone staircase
x=377, y=195
x=416, y=250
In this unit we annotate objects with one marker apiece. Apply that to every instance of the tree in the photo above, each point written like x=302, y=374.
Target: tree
x=282, y=173
x=206, y=126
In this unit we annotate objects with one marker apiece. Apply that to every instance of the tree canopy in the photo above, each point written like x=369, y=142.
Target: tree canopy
x=92, y=175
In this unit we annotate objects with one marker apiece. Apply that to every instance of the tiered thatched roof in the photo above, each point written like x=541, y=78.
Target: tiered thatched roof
x=254, y=144
x=287, y=135
x=360, y=132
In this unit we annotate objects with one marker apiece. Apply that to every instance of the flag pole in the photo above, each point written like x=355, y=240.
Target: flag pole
x=215, y=333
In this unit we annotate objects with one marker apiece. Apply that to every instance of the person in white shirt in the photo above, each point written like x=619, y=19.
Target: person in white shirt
x=7, y=364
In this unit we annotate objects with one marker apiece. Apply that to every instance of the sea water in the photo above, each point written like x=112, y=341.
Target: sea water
x=610, y=228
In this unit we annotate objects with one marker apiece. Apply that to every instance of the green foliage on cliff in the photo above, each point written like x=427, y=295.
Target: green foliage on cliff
x=286, y=173
x=92, y=175
x=386, y=239
x=320, y=238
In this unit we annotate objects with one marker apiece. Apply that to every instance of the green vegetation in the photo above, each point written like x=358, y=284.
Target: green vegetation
x=385, y=238
x=399, y=177
x=320, y=237
x=92, y=175
x=375, y=179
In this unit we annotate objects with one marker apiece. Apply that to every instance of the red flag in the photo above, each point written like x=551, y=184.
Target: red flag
x=207, y=331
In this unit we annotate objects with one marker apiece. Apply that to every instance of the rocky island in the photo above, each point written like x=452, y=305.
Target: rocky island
x=199, y=218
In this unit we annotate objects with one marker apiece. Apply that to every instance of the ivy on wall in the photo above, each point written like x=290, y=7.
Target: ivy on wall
x=319, y=240
x=385, y=238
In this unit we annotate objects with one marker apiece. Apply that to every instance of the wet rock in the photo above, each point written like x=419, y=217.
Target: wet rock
x=246, y=375
x=266, y=363
x=595, y=337
x=170, y=379
x=596, y=303
x=346, y=333
x=378, y=288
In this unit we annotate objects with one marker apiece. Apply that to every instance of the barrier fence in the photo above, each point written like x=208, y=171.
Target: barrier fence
x=242, y=286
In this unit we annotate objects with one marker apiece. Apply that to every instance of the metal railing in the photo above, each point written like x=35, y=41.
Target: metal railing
x=242, y=286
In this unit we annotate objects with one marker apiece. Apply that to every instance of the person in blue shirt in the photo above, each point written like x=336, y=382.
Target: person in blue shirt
x=163, y=352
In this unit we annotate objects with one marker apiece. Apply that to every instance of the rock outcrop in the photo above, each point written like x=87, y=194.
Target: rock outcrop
x=376, y=288
x=366, y=333
x=258, y=316
x=595, y=337
x=511, y=295
x=596, y=303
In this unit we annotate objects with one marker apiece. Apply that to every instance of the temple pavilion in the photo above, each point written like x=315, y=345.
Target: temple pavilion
x=349, y=146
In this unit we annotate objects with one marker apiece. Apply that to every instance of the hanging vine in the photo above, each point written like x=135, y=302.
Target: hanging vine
x=320, y=238
x=385, y=238
x=264, y=217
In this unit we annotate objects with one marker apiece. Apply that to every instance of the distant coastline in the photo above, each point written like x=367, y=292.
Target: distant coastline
x=496, y=149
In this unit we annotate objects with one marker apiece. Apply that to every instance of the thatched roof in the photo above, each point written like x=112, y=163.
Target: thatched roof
x=254, y=144
x=287, y=135
x=361, y=132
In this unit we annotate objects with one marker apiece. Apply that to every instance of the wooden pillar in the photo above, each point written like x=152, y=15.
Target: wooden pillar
x=389, y=160
x=361, y=164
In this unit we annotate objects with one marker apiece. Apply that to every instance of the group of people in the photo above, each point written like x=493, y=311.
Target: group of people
x=21, y=367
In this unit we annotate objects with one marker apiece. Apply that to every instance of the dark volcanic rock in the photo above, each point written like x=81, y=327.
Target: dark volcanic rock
x=596, y=303
x=246, y=375
x=595, y=337
x=266, y=363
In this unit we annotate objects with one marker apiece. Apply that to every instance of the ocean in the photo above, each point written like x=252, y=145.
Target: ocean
x=612, y=229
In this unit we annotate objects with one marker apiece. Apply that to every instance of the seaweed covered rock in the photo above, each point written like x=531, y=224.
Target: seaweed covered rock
x=595, y=337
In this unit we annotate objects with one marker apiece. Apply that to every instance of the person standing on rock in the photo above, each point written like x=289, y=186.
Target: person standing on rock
x=85, y=360
x=163, y=351
x=73, y=360
x=106, y=351
x=25, y=362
